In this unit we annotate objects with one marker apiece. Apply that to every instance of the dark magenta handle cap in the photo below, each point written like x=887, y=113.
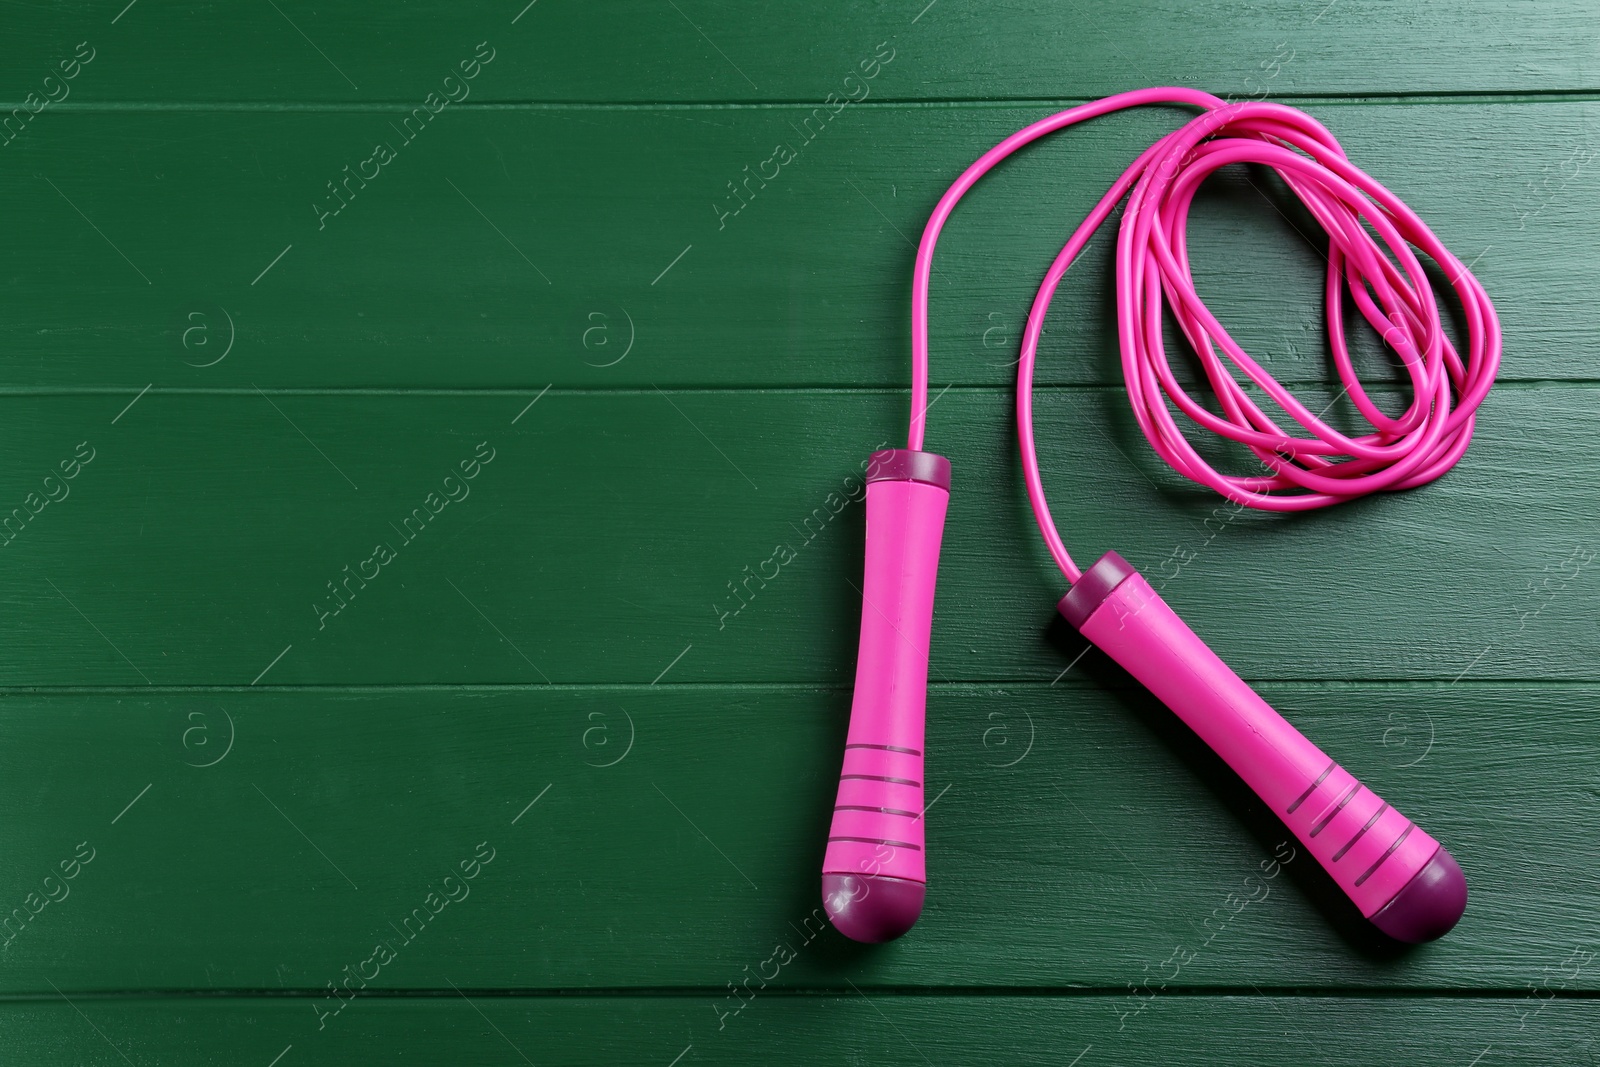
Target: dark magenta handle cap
x=872, y=907
x=1429, y=905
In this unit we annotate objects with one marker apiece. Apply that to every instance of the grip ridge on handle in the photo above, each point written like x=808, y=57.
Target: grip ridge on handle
x=874, y=872
x=1399, y=877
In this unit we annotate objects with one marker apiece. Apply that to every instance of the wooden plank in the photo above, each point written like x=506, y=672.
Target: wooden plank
x=600, y=248
x=702, y=51
x=213, y=539
x=665, y=837
x=390, y=568
x=476, y=1029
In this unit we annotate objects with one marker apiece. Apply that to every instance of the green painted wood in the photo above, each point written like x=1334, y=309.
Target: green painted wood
x=487, y=1031
x=223, y=784
x=703, y=51
x=615, y=535
x=598, y=248
x=663, y=838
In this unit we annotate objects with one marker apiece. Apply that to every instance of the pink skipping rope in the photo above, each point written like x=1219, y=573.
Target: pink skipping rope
x=1400, y=878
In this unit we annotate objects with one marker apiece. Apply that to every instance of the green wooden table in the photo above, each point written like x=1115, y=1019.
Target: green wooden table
x=395, y=394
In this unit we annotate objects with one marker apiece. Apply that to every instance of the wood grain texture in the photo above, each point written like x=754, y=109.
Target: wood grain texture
x=599, y=248
x=356, y=538
x=1078, y=837
x=704, y=51
x=945, y=1030
x=613, y=531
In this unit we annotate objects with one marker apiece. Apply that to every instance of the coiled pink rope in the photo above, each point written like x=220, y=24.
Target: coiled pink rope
x=1152, y=270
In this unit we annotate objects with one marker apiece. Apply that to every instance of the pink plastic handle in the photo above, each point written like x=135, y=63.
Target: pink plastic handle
x=874, y=873
x=1399, y=877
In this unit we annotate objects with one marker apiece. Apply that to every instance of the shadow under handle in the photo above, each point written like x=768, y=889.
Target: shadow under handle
x=874, y=873
x=1399, y=877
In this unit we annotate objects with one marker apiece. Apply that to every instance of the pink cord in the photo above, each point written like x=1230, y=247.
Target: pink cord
x=1153, y=270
